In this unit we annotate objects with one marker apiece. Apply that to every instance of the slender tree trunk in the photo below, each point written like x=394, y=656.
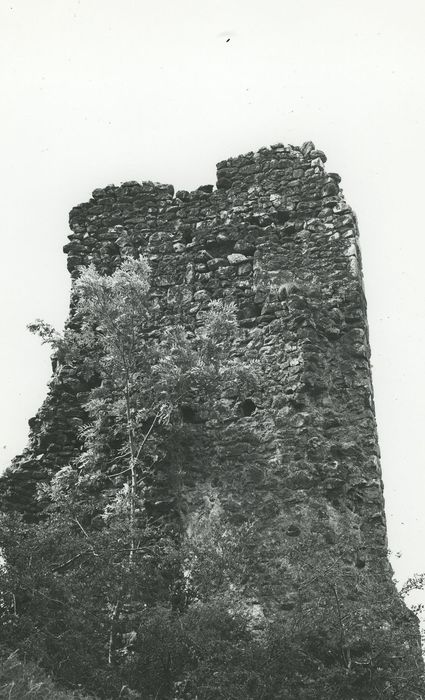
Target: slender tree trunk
x=133, y=479
x=112, y=645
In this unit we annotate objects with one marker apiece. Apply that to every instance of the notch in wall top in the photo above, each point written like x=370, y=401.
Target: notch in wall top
x=132, y=187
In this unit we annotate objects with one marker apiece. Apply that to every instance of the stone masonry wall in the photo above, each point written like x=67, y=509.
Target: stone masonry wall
x=277, y=237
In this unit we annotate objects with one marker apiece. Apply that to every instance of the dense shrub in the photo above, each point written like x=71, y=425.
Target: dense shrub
x=20, y=680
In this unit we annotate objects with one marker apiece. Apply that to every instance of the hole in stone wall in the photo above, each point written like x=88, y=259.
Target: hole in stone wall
x=360, y=561
x=188, y=414
x=187, y=236
x=282, y=216
x=219, y=248
x=249, y=310
x=293, y=530
x=248, y=407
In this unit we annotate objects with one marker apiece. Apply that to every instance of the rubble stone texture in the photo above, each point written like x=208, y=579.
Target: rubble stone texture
x=301, y=458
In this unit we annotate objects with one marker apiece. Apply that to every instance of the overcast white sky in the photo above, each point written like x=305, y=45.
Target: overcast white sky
x=101, y=91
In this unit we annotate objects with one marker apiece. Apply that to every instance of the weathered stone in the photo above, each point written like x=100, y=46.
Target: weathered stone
x=178, y=247
x=237, y=258
x=244, y=269
x=318, y=154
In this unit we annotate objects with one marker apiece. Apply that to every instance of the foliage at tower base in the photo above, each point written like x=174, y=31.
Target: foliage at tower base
x=118, y=592
x=168, y=625
x=26, y=680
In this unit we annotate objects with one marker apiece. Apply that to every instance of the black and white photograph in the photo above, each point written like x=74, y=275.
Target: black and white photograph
x=212, y=387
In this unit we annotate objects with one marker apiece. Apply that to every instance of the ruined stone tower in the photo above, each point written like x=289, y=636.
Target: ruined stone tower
x=300, y=458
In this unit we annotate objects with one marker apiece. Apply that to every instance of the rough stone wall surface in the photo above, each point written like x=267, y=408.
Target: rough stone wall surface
x=277, y=237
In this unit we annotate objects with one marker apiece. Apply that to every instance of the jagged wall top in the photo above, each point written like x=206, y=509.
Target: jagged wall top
x=279, y=170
